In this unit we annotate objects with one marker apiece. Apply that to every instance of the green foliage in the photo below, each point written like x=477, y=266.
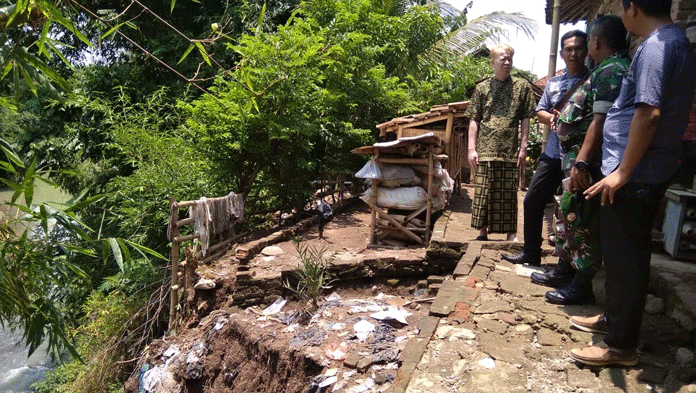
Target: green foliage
x=37, y=254
x=107, y=317
x=312, y=275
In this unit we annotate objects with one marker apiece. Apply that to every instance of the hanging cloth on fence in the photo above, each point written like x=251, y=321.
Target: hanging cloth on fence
x=202, y=221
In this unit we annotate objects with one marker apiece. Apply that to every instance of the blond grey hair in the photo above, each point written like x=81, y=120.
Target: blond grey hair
x=500, y=48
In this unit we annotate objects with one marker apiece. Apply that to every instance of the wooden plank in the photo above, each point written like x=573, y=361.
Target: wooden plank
x=429, y=206
x=373, y=213
x=426, y=121
x=448, y=129
x=408, y=161
x=408, y=131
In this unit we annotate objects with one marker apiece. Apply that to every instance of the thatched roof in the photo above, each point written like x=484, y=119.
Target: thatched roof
x=573, y=11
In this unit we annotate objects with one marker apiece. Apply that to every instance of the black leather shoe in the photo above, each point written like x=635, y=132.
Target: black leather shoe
x=522, y=258
x=579, y=291
x=559, y=277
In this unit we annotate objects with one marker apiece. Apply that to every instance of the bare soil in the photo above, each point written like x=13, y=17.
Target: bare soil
x=242, y=350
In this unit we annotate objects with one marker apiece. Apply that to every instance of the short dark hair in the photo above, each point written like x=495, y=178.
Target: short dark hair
x=654, y=8
x=574, y=33
x=611, y=31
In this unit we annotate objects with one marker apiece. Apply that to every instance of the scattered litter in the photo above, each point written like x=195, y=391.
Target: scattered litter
x=171, y=353
x=335, y=352
x=365, y=386
x=309, y=338
x=336, y=326
x=320, y=382
x=275, y=307
x=204, y=284
x=194, y=366
x=333, y=297
x=383, y=333
x=291, y=328
x=487, y=363
x=331, y=372
x=385, y=355
x=363, y=329
x=392, y=313
x=272, y=251
x=288, y=318
x=158, y=379
x=220, y=323
x=328, y=382
x=420, y=292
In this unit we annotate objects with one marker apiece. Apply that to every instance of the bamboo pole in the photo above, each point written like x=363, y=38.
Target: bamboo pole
x=429, y=206
x=185, y=238
x=415, y=213
x=373, y=203
x=174, y=259
x=555, y=31
x=185, y=221
x=389, y=218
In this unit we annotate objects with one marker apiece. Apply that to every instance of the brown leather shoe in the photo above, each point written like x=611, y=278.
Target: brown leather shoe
x=601, y=355
x=595, y=324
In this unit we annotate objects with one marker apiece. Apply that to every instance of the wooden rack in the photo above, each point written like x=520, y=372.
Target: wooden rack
x=400, y=224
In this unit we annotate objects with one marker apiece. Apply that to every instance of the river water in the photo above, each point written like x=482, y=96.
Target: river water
x=17, y=371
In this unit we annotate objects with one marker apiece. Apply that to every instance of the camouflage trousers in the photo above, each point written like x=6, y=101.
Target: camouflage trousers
x=577, y=227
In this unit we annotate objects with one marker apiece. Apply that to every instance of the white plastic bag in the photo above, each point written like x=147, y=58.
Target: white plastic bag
x=398, y=198
x=397, y=172
x=369, y=171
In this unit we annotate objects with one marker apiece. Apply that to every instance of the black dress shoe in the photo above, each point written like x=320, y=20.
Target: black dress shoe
x=579, y=291
x=523, y=258
x=559, y=277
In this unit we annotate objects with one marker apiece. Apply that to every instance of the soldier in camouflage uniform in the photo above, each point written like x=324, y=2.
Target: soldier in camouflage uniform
x=579, y=126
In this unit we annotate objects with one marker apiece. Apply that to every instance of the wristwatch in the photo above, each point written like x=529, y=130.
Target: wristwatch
x=582, y=165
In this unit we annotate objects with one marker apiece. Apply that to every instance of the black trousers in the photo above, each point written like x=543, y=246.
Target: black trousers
x=626, y=227
x=546, y=180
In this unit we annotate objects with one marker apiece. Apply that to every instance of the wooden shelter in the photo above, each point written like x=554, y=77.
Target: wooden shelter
x=446, y=121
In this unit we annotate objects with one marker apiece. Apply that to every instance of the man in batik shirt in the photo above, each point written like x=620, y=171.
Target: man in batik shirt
x=498, y=107
x=580, y=129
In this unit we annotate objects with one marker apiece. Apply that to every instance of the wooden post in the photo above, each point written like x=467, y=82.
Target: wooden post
x=174, y=259
x=373, y=213
x=429, y=208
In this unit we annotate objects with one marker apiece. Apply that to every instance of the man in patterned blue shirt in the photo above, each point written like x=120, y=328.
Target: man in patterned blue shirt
x=641, y=148
x=547, y=177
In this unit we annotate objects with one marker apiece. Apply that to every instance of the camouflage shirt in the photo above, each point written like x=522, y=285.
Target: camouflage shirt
x=596, y=95
x=498, y=108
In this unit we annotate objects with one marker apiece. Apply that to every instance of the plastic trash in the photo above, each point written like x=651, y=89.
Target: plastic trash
x=363, y=329
x=392, y=313
x=487, y=363
x=336, y=352
x=369, y=171
x=275, y=307
x=409, y=198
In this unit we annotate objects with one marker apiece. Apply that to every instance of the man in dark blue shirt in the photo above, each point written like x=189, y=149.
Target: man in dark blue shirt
x=640, y=154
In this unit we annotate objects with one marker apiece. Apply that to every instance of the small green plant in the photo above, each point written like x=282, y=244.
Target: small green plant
x=313, y=274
